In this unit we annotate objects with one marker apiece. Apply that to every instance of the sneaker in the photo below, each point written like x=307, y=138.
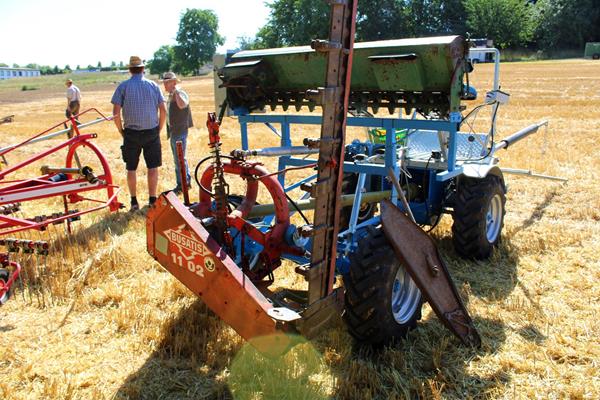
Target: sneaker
x=134, y=207
x=177, y=190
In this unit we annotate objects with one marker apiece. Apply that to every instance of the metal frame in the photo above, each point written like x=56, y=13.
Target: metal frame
x=23, y=190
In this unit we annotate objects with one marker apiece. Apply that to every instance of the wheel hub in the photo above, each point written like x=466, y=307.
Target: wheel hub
x=494, y=218
x=406, y=297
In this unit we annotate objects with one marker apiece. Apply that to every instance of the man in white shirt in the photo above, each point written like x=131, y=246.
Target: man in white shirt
x=73, y=99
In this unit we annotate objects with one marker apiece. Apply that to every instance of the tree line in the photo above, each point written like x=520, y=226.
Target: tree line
x=56, y=70
x=535, y=24
x=547, y=25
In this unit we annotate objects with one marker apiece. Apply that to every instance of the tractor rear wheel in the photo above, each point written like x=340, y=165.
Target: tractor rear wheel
x=478, y=216
x=4, y=277
x=382, y=301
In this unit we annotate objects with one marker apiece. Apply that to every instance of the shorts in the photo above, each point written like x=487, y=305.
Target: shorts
x=73, y=109
x=136, y=142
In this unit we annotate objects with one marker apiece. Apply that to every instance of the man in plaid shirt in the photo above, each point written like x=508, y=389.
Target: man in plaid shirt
x=144, y=114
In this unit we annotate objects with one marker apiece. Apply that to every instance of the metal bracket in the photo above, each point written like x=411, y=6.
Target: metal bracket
x=324, y=46
x=322, y=96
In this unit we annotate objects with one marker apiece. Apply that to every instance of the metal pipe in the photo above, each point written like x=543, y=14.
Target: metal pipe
x=396, y=182
x=518, y=136
x=55, y=134
x=182, y=172
x=496, y=52
x=275, y=152
x=525, y=172
x=59, y=170
x=264, y=210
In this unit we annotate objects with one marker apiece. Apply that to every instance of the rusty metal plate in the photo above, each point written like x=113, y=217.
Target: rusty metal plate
x=421, y=258
x=177, y=240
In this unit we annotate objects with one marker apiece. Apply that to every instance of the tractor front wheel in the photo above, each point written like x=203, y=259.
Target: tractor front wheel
x=382, y=301
x=478, y=216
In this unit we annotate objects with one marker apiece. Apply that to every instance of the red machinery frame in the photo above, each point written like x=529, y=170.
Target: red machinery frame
x=5, y=285
x=73, y=180
x=78, y=180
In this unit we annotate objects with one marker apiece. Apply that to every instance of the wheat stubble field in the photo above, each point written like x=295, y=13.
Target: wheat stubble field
x=101, y=320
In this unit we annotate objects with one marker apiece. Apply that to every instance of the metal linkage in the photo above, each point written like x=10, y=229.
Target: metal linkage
x=86, y=172
x=26, y=246
x=220, y=186
x=334, y=98
x=56, y=218
x=10, y=208
x=7, y=119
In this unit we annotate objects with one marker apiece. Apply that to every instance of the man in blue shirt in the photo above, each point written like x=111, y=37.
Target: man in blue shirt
x=144, y=114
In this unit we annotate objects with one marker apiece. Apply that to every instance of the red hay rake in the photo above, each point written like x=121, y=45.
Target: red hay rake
x=83, y=182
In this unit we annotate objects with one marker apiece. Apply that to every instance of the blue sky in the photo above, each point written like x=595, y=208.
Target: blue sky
x=59, y=32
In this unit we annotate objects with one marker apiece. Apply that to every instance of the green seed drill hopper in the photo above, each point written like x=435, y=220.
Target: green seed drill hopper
x=425, y=74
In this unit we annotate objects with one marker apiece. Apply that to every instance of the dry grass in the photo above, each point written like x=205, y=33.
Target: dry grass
x=110, y=323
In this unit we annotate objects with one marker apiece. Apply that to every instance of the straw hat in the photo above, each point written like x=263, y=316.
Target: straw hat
x=170, y=76
x=135, y=62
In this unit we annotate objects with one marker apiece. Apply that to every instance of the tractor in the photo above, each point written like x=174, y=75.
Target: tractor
x=370, y=198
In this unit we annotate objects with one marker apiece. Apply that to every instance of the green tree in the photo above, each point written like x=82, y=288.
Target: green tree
x=294, y=22
x=386, y=19
x=162, y=60
x=297, y=22
x=197, y=40
x=508, y=22
x=247, y=43
x=3, y=65
x=563, y=24
x=67, y=68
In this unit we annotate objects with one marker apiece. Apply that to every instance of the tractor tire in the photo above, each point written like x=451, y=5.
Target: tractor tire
x=596, y=56
x=478, y=215
x=367, y=211
x=4, y=277
x=382, y=302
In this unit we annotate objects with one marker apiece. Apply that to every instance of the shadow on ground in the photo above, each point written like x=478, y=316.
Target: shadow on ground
x=430, y=363
x=188, y=363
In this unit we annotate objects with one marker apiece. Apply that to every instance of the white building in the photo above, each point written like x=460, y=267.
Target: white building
x=8, y=73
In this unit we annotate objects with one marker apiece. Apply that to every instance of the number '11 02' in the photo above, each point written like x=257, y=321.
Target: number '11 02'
x=191, y=266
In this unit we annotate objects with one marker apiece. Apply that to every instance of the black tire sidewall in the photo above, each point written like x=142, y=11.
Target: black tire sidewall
x=376, y=263
x=470, y=224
